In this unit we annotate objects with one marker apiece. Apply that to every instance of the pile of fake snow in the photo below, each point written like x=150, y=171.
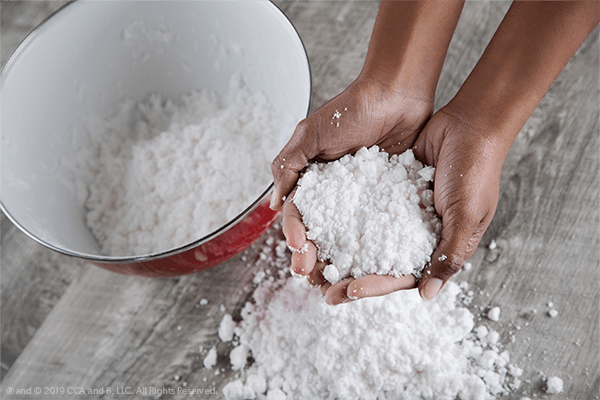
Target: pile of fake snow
x=170, y=172
x=391, y=347
x=370, y=214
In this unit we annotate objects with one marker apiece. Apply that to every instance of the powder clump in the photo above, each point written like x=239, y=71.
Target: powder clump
x=554, y=385
x=370, y=213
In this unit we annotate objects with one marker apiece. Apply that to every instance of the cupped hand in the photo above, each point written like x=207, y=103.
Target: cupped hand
x=468, y=159
x=367, y=113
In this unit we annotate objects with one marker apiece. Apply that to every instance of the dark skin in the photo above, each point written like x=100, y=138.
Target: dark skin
x=391, y=102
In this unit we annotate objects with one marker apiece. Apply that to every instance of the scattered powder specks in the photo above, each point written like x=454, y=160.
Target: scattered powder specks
x=552, y=313
x=370, y=213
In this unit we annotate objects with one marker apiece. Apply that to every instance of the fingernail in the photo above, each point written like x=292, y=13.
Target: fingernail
x=274, y=201
x=432, y=287
x=295, y=274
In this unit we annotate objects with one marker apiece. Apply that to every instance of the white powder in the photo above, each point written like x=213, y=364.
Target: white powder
x=238, y=357
x=370, y=214
x=170, y=172
x=395, y=346
x=494, y=314
x=493, y=337
x=554, y=385
x=226, y=328
x=552, y=313
x=211, y=358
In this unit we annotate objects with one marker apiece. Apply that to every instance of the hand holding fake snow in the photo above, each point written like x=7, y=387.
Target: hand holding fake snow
x=466, y=141
x=381, y=107
x=371, y=217
x=342, y=126
x=465, y=194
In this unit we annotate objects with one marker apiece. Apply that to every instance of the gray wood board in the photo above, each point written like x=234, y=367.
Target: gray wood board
x=65, y=323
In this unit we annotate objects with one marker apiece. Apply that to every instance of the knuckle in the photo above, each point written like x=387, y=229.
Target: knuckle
x=450, y=265
x=302, y=126
x=276, y=166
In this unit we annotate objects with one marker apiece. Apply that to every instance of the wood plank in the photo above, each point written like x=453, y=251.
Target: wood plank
x=118, y=331
x=33, y=277
x=336, y=35
x=114, y=331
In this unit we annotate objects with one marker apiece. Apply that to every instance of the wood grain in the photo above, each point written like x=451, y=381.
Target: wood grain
x=33, y=277
x=68, y=324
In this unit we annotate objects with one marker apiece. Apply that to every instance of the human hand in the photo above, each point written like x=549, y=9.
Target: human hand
x=369, y=114
x=468, y=160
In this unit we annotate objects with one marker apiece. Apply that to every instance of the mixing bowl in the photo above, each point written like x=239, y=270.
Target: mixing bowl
x=83, y=60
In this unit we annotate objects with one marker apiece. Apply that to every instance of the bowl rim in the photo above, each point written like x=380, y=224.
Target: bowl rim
x=169, y=252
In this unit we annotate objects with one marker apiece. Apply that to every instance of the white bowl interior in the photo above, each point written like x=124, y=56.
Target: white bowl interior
x=91, y=55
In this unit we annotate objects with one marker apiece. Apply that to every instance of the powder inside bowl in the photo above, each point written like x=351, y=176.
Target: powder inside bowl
x=370, y=214
x=169, y=172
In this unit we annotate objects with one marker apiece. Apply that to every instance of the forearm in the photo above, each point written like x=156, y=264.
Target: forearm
x=409, y=44
x=532, y=45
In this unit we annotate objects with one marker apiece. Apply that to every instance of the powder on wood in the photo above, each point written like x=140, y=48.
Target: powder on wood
x=395, y=346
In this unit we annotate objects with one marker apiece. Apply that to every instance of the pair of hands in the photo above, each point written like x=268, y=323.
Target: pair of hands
x=467, y=160
x=391, y=104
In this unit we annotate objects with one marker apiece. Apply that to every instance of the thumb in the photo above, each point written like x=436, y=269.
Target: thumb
x=456, y=245
x=289, y=162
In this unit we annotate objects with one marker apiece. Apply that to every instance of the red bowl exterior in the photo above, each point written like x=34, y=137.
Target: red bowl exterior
x=220, y=249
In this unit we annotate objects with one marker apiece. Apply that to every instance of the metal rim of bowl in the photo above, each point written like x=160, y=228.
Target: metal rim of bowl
x=165, y=253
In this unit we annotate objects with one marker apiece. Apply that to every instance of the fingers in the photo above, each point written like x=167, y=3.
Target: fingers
x=316, y=277
x=458, y=243
x=290, y=161
x=351, y=289
x=337, y=293
x=304, y=252
x=380, y=285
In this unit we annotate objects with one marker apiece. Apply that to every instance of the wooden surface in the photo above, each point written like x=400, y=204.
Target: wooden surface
x=68, y=324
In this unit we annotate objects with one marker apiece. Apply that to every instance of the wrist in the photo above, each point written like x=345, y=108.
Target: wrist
x=409, y=44
x=530, y=48
x=402, y=106
x=486, y=112
x=408, y=81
